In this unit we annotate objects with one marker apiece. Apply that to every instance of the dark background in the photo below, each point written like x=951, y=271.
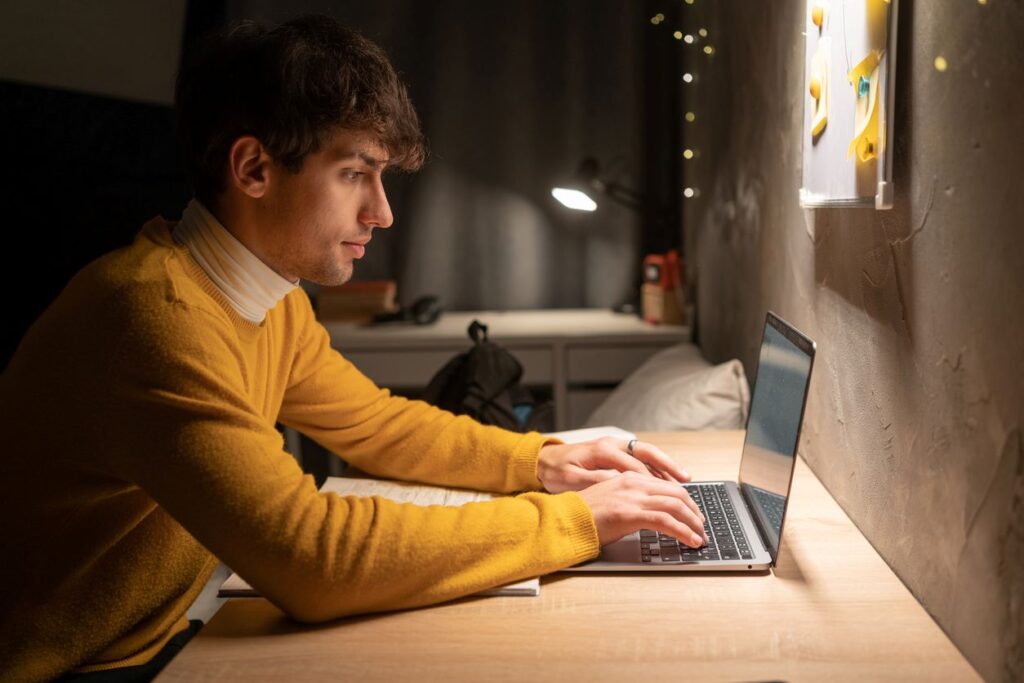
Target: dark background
x=511, y=99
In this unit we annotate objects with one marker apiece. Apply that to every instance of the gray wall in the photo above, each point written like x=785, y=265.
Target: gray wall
x=118, y=48
x=915, y=415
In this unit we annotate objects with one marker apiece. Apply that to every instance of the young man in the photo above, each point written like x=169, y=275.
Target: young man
x=139, y=411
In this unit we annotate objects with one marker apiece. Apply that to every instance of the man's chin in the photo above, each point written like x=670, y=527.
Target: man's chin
x=332, y=279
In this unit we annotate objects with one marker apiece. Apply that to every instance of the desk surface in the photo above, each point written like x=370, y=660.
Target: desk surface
x=831, y=609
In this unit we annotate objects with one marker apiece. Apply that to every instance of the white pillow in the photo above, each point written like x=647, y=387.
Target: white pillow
x=677, y=389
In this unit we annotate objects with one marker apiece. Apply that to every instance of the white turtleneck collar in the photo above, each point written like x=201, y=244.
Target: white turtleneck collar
x=250, y=286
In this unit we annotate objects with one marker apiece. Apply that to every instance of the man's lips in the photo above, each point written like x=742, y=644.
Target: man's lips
x=357, y=248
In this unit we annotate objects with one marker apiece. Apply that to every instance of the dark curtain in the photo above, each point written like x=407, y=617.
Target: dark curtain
x=512, y=97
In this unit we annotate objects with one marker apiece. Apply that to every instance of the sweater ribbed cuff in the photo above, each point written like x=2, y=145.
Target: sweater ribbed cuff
x=523, y=463
x=581, y=531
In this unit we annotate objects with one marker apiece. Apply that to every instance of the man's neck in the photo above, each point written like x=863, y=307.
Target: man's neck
x=250, y=285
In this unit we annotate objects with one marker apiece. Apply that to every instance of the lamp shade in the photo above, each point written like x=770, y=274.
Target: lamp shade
x=574, y=199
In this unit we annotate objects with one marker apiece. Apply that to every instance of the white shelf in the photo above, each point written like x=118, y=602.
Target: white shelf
x=571, y=350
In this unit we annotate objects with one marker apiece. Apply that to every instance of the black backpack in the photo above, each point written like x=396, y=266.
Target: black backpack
x=484, y=384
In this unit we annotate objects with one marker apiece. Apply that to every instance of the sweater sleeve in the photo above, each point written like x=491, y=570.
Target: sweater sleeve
x=194, y=444
x=331, y=401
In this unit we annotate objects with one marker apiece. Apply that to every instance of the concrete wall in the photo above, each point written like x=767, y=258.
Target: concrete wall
x=917, y=404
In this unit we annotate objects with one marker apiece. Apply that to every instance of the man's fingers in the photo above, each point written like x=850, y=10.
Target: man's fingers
x=667, y=523
x=694, y=534
x=619, y=460
x=659, y=461
x=627, y=501
x=652, y=487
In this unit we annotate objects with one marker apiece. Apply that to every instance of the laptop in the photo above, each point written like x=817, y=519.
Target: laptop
x=744, y=519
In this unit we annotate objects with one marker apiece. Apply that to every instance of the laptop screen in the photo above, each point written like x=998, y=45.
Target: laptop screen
x=773, y=427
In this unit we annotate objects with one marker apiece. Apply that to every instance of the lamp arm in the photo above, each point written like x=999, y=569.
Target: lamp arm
x=625, y=196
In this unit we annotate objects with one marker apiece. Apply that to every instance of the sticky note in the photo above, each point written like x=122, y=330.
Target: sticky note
x=865, y=141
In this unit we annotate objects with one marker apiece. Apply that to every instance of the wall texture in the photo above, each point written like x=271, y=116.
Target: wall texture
x=917, y=405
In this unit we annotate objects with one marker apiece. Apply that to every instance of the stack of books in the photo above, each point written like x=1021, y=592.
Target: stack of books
x=356, y=301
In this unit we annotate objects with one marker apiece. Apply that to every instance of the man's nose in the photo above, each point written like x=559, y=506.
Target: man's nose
x=377, y=211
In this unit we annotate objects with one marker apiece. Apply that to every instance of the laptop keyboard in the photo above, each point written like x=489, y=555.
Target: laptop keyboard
x=771, y=504
x=726, y=540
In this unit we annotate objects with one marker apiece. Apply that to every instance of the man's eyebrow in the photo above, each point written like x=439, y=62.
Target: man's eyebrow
x=373, y=162
x=369, y=160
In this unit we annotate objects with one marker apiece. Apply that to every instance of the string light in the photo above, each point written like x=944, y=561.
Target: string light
x=678, y=35
x=690, y=116
x=940, y=63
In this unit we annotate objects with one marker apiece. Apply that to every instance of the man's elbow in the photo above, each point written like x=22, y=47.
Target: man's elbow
x=312, y=608
x=320, y=599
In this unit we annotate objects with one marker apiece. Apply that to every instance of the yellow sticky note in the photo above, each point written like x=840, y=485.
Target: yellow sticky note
x=865, y=141
x=818, y=86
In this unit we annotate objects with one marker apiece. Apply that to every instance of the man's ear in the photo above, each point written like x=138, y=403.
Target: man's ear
x=249, y=166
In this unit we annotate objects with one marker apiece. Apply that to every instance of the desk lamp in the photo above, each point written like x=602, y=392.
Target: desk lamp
x=588, y=177
x=575, y=195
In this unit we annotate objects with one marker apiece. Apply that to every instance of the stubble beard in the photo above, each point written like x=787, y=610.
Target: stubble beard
x=333, y=275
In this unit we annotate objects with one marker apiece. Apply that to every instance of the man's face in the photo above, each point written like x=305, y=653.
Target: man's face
x=319, y=220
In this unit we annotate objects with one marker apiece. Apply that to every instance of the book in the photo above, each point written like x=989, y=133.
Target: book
x=356, y=301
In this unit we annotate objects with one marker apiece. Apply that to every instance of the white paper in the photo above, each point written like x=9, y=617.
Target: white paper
x=591, y=433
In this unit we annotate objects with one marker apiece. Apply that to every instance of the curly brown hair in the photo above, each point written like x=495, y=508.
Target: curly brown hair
x=290, y=87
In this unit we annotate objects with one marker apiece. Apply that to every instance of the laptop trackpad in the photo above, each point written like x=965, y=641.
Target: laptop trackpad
x=626, y=549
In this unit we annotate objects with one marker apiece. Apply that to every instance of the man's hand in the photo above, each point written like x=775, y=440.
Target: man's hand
x=631, y=501
x=572, y=467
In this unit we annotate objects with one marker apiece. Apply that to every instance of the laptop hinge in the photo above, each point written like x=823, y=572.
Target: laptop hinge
x=761, y=532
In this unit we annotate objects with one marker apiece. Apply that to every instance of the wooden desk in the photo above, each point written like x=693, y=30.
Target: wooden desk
x=832, y=610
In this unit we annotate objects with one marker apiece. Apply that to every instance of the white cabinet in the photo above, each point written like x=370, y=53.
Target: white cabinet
x=578, y=354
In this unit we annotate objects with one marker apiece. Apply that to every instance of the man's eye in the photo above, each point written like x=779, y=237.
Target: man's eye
x=352, y=175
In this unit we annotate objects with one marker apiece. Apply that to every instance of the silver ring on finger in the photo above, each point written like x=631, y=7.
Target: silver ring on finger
x=630, y=446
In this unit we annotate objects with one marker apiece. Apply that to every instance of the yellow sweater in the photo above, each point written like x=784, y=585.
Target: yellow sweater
x=139, y=446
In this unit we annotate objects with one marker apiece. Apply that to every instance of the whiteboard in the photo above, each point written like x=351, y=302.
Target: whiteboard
x=850, y=31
